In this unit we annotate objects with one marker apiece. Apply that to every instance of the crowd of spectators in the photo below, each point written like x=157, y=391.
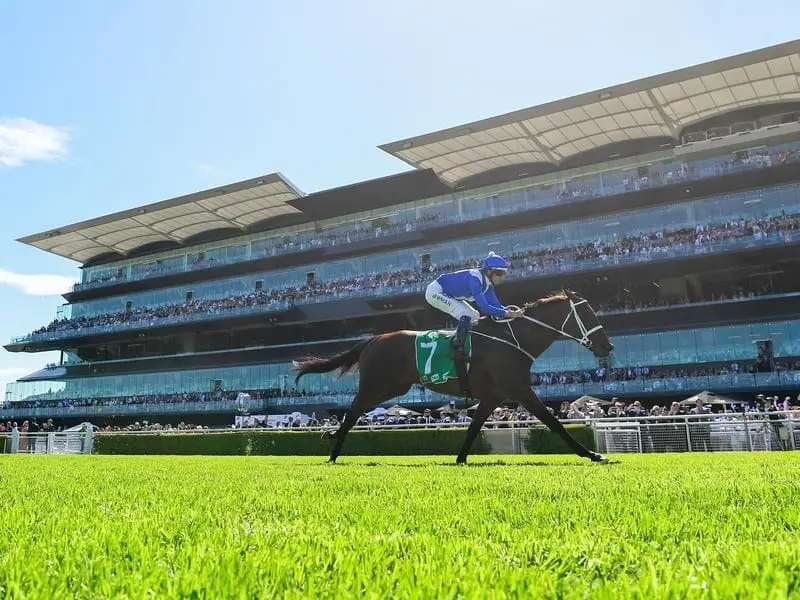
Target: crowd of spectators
x=287, y=245
x=580, y=409
x=148, y=426
x=348, y=235
x=179, y=398
x=289, y=396
x=592, y=408
x=601, y=374
x=642, y=247
x=584, y=408
x=573, y=191
x=32, y=426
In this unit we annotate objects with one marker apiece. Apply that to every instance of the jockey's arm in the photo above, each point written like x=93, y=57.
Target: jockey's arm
x=484, y=306
x=491, y=298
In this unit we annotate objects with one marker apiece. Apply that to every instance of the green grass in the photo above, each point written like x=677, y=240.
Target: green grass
x=666, y=526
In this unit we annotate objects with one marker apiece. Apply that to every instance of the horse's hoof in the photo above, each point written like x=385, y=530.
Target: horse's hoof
x=461, y=461
x=599, y=458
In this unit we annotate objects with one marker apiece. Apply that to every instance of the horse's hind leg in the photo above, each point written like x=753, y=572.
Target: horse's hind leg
x=359, y=407
x=332, y=435
x=350, y=418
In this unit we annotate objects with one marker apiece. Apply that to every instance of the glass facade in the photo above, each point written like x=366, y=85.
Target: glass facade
x=252, y=377
x=682, y=347
x=349, y=274
x=561, y=188
x=690, y=348
x=418, y=396
x=749, y=382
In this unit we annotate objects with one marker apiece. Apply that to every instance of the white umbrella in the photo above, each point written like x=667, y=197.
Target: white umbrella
x=709, y=398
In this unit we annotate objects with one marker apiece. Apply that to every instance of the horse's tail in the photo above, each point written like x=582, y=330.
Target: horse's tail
x=344, y=361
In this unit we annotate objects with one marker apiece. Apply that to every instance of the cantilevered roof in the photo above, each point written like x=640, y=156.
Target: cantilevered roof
x=659, y=106
x=238, y=205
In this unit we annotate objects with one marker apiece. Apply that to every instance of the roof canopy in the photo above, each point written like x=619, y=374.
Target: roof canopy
x=553, y=134
x=654, y=107
x=237, y=206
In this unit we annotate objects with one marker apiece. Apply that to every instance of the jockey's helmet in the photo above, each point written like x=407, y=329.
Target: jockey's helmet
x=494, y=262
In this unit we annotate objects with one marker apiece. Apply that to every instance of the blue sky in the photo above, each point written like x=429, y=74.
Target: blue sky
x=109, y=105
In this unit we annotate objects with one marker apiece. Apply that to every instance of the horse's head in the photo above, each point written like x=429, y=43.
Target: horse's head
x=571, y=316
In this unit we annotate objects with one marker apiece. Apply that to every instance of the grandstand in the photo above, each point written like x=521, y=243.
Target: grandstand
x=672, y=203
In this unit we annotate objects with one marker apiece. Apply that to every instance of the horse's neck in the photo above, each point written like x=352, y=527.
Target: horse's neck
x=535, y=338
x=495, y=329
x=531, y=338
x=489, y=326
x=539, y=344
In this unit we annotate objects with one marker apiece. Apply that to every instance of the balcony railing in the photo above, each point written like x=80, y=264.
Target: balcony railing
x=695, y=170
x=568, y=264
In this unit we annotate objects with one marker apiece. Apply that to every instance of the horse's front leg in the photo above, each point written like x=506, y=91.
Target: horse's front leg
x=529, y=399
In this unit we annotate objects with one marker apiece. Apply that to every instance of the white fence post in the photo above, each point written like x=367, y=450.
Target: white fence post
x=713, y=432
x=688, y=435
x=725, y=431
x=47, y=442
x=639, y=435
x=747, y=436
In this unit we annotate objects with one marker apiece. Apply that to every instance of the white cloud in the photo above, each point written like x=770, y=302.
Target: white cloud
x=23, y=140
x=37, y=285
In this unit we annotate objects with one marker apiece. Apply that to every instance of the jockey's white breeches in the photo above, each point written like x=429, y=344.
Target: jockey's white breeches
x=452, y=306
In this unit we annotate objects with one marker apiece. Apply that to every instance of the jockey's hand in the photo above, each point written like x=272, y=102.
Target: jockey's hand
x=513, y=314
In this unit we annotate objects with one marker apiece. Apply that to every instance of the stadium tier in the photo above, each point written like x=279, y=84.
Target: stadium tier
x=671, y=203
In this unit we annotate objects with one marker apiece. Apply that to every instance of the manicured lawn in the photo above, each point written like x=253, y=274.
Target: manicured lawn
x=652, y=526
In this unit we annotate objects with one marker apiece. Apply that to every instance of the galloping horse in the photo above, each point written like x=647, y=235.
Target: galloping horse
x=503, y=352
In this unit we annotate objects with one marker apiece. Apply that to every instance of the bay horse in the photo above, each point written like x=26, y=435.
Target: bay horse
x=503, y=351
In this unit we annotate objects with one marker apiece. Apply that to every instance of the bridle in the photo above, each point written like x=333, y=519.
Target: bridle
x=584, y=340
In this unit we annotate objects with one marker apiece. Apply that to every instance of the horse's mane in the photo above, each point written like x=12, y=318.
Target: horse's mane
x=551, y=298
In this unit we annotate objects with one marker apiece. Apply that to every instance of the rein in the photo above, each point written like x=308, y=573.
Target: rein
x=584, y=340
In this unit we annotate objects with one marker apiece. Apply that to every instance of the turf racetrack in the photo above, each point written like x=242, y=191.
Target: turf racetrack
x=654, y=526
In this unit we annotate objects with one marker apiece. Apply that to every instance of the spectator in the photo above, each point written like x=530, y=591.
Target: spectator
x=641, y=246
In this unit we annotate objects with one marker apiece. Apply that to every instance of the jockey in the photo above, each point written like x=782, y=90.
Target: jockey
x=449, y=291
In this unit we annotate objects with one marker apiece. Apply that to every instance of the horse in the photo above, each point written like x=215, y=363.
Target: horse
x=503, y=351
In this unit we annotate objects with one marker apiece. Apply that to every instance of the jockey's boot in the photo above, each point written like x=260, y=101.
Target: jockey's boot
x=460, y=338
x=460, y=354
